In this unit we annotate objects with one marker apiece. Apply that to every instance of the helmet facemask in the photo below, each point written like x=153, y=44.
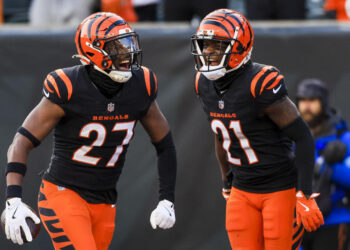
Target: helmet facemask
x=121, y=53
x=211, y=61
x=225, y=48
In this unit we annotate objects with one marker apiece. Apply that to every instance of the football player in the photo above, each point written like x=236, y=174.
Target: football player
x=254, y=123
x=93, y=109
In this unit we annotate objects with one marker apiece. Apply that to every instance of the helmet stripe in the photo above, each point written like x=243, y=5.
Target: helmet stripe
x=113, y=25
x=79, y=43
x=238, y=21
x=99, y=25
x=216, y=23
x=233, y=27
x=234, y=17
x=90, y=25
x=240, y=24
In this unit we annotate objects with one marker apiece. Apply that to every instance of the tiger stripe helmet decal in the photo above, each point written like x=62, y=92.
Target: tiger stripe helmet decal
x=95, y=31
x=229, y=26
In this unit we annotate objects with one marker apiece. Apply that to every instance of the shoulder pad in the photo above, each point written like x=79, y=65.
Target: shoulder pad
x=150, y=81
x=58, y=86
x=267, y=78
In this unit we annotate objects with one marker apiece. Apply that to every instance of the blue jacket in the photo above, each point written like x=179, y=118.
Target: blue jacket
x=337, y=175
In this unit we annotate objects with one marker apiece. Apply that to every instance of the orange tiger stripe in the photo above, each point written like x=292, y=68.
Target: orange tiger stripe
x=66, y=81
x=256, y=79
x=155, y=80
x=47, y=86
x=147, y=79
x=296, y=239
x=95, y=23
x=54, y=84
x=197, y=80
x=276, y=81
x=267, y=79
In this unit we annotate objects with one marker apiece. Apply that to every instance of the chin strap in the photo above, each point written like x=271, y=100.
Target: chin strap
x=115, y=75
x=215, y=72
x=218, y=71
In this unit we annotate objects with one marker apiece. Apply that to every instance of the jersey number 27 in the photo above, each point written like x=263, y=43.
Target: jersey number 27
x=81, y=154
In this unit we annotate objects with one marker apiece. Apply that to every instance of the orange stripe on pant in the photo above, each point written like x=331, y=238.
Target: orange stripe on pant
x=71, y=222
x=260, y=221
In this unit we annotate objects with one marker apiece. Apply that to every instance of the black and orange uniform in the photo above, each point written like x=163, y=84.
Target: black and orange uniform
x=90, y=143
x=259, y=154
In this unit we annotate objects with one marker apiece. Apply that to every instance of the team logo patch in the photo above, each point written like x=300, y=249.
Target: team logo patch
x=110, y=107
x=221, y=104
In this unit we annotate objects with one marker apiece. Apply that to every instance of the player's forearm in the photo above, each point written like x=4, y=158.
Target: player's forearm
x=19, y=149
x=221, y=157
x=17, y=154
x=299, y=132
x=167, y=167
x=14, y=179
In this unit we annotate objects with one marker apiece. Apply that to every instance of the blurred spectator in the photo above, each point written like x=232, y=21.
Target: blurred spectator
x=185, y=10
x=48, y=12
x=332, y=170
x=15, y=11
x=315, y=9
x=275, y=9
x=123, y=8
x=146, y=10
x=338, y=9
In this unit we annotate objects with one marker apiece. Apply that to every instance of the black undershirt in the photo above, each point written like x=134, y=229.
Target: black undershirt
x=104, y=83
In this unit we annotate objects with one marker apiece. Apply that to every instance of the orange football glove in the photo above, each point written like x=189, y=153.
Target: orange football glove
x=308, y=212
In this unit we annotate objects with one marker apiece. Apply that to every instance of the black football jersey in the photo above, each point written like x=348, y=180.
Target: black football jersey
x=91, y=140
x=259, y=154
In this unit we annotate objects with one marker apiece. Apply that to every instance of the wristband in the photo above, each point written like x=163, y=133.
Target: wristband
x=13, y=191
x=16, y=167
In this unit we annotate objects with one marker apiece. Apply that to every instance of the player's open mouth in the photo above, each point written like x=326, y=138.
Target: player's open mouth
x=213, y=63
x=124, y=65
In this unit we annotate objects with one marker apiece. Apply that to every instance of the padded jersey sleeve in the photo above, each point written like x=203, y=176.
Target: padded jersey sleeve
x=150, y=83
x=58, y=87
x=268, y=86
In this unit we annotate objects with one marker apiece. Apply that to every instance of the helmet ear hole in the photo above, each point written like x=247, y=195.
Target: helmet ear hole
x=90, y=54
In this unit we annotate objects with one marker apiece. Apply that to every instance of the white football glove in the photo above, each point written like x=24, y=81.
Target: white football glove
x=164, y=215
x=16, y=213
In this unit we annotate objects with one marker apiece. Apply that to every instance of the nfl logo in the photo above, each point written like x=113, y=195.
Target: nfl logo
x=221, y=104
x=110, y=107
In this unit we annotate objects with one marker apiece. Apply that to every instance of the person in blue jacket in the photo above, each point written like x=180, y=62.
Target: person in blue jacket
x=332, y=170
